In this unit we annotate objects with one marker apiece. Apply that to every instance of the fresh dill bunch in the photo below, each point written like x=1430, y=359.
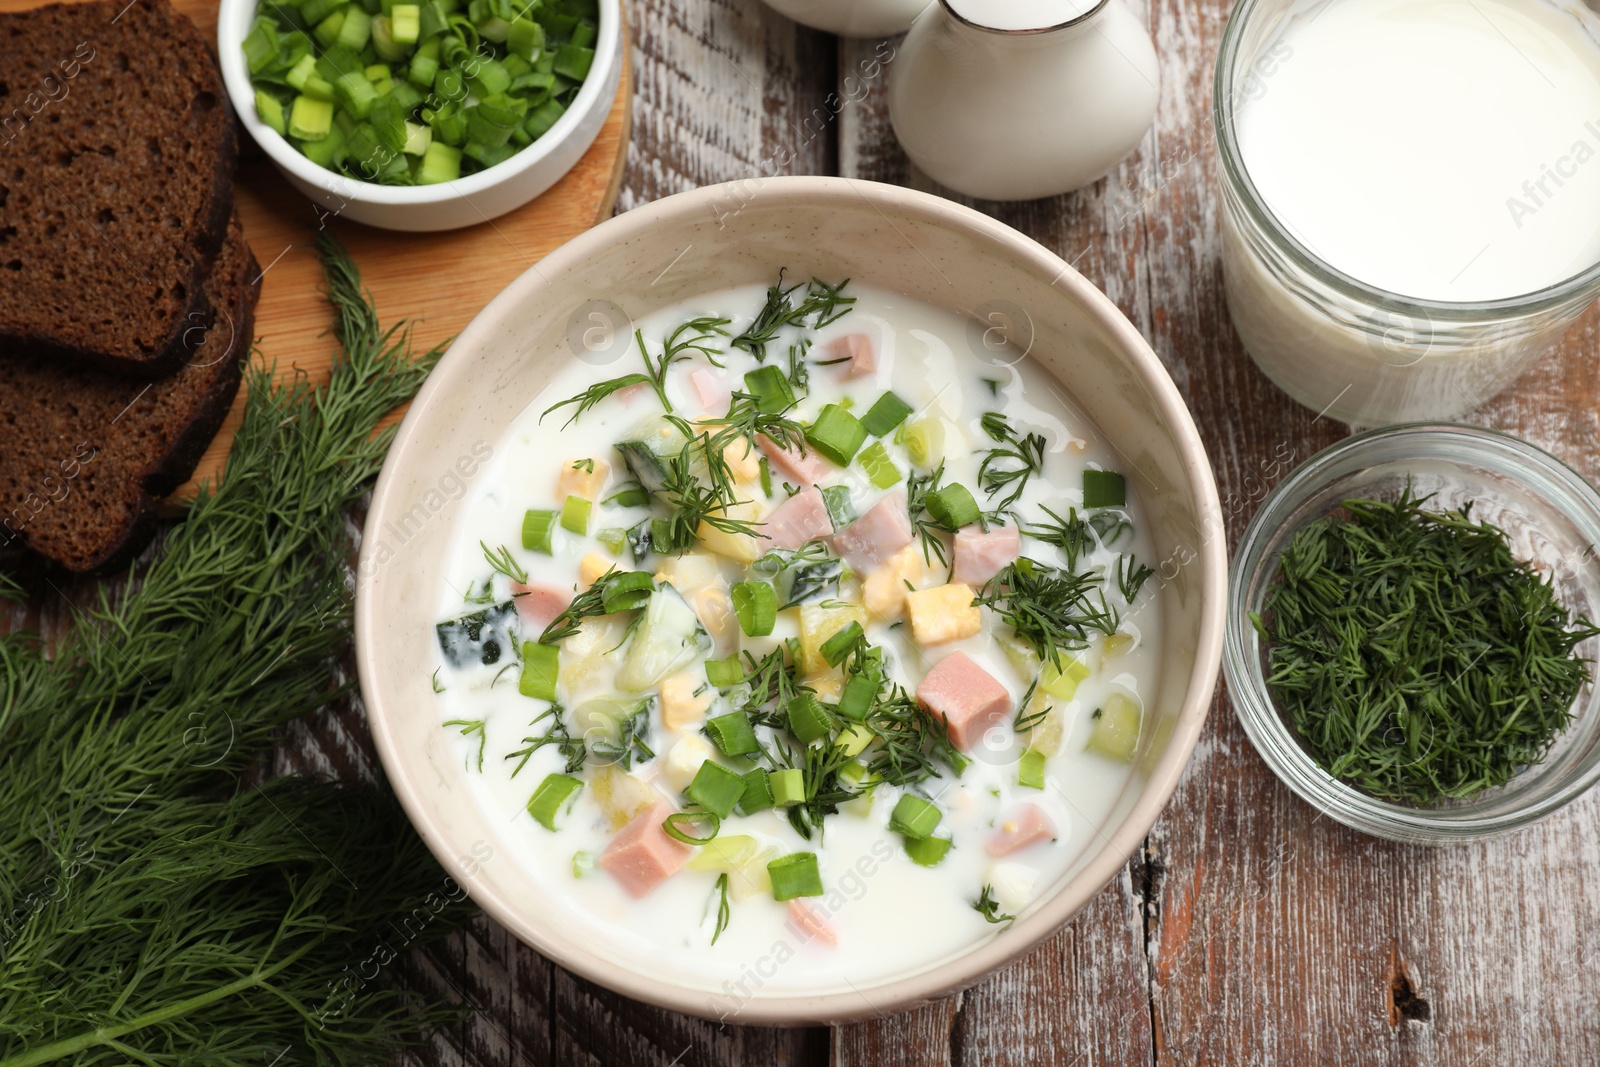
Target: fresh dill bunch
x=1417, y=659
x=1055, y=611
x=154, y=909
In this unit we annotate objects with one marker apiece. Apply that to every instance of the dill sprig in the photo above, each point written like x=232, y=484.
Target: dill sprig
x=572, y=749
x=156, y=909
x=1053, y=610
x=503, y=562
x=987, y=906
x=823, y=304
x=1415, y=656
x=469, y=727
x=996, y=474
x=1077, y=536
x=724, y=909
x=928, y=530
x=690, y=337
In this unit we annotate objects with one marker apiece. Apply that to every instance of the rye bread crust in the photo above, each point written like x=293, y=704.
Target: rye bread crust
x=117, y=154
x=96, y=451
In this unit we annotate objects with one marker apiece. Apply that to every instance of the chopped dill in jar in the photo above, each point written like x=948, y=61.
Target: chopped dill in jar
x=1416, y=658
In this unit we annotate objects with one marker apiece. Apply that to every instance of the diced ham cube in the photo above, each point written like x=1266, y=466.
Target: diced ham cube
x=811, y=924
x=980, y=556
x=861, y=359
x=792, y=465
x=874, y=538
x=801, y=518
x=538, y=605
x=712, y=392
x=968, y=697
x=1027, y=825
x=629, y=393
x=642, y=856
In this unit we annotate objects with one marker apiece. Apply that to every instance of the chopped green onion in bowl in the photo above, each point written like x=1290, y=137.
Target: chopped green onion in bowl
x=418, y=93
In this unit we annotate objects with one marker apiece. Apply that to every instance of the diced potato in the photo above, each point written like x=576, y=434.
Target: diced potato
x=724, y=853
x=620, y=795
x=714, y=608
x=586, y=655
x=1020, y=653
x=1117, y=644
x=741, y=548
x=942, y=614
x=1013, y=885
x=577, y=479
x=829, y=685
x=684, y=700
x=684, y=759
x=750, y=879
x=1116, y=729
x=744, y=462
x=817, y=624
x=593, y=567
x=884, y=590
x=690, y=571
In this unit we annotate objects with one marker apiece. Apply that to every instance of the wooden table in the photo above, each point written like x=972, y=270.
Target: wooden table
x=1248, y=929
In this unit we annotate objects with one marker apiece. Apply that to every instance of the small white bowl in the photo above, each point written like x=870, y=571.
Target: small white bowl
x=681, y=248
x=853, y=18
x=467, y=201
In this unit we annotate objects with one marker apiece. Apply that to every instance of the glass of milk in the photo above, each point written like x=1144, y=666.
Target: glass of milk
x=1411, y=195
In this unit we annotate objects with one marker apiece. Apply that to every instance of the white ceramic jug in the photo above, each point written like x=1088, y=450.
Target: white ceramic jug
x=1017, y=99
x=853, y=18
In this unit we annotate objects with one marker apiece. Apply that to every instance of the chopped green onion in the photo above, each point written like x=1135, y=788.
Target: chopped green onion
x=525, y=39
x=756, y=607
x=788, y=787
x=582, y=864
x=270, y=110
x=557, y=793
x=723, y=854
x=405, y=23
x=1104, y=489
x=1030, y=770
x=927, y=851
x=952, y=507
x=723, y=673
x=574, y=62
x=715, y=788
x=795, y=875
x=538, y=531
x=915, y=817
x=310, y=120
x=440, y=163
x=354, y=94
x=675, y=824
x=808, y=721
x=837, y=434
x=885, y=414
x=860, y=692
x=842, y=643
x=627, y=591
x=260, y=45
x=355, y=30
x=771, y=390
x=732, y=734
x=541, y=667
x=881, y=471
x=836, y=498
x=766, y=477
x=575, y=514
x=757, y=794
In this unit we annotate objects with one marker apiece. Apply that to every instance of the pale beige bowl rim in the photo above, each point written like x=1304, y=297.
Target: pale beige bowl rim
x=1072, y=895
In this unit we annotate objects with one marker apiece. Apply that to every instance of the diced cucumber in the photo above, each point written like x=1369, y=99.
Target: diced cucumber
x=484, y=637
x=1116, y=729
x=669, y=638
x=647, y=449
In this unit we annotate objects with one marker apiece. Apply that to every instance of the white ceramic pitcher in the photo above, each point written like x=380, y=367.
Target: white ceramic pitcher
x=1017, y=99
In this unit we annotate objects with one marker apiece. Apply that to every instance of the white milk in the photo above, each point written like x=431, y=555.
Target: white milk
x=891, y=916
x=1441, y=149
x=1444, y=151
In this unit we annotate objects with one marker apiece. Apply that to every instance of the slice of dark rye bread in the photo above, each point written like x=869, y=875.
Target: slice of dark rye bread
x=117, y=153
x=87, y=455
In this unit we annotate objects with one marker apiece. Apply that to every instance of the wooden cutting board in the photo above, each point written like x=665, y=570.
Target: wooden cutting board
x=436, y=281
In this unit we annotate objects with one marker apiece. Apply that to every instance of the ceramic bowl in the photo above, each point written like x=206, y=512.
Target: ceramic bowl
x=673, y=250
x=853, y=18
x=467, y=201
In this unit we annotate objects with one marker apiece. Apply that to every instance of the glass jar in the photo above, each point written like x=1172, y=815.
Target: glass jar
x=1551, y=517
x=1339, y=346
